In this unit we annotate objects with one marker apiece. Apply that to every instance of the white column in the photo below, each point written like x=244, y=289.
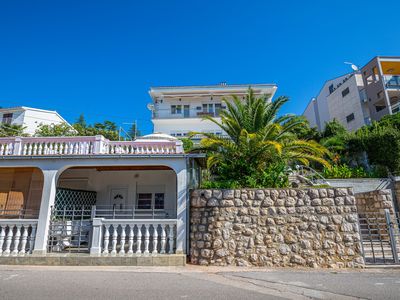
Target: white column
x=95, y=249
x=48, y=198
x=181, y=227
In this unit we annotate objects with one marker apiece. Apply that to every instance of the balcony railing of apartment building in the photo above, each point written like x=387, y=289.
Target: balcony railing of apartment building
x=392, y=81
x=193, y=114
x=84, y=145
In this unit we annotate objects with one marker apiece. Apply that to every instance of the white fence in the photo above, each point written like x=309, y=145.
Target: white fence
x=128, y=237
x=84, y=145
x=17, y=237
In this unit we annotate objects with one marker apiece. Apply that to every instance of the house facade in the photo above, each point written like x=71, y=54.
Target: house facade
x=178, y=110
x=30, y=118
x=358, y=98
x=91, y=195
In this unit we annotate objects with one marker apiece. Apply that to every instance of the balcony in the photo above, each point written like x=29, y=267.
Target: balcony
x=85, y=145
x=392, y=81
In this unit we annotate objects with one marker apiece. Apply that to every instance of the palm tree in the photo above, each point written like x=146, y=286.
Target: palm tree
x=258, y=141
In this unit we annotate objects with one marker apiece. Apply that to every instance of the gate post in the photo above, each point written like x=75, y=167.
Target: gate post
x=95, y=249
x=389, y=224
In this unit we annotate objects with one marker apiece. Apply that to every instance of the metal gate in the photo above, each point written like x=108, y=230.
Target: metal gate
x=70, y=229
x=380, y=237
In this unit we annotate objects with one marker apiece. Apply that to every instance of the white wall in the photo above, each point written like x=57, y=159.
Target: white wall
x=32, y=118
x=135, y=181
x=340, y=107
x=311, y=113
x=169, y=126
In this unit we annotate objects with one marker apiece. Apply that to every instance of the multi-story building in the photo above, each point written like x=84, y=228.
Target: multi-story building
x=357, y=98
x=30, y=118
x=179, y=110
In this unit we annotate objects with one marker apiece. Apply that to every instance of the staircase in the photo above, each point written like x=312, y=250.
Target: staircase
x=305, y=176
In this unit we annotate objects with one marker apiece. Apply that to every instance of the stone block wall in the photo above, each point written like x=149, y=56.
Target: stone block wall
x=275, y=227
x=374, y=202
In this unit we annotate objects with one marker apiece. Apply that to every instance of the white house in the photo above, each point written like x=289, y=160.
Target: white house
x=178, y=110
x=342, y=98
x=29, y=117
x=90, y=195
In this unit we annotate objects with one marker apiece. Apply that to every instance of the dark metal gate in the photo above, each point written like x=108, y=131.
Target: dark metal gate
x=70, y=229
x=380, y=237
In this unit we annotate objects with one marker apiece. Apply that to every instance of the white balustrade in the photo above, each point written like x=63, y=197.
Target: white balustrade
x=84, y=145
x=17, y=237
x=143, y=237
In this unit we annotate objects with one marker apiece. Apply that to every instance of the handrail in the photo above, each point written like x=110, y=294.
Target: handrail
x=311, y=173
x=84, y=145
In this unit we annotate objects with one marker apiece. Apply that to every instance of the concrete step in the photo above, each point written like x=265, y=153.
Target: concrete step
x=87, y=260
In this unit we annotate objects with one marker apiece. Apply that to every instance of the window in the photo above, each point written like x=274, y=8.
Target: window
x=176, y=109
x=331, y=89
x=144, y=201
x=7, y=118
x=218, y=108
x=375, y=72
x=159, y=201
x=378, y=108
x=350, y=118
x=345, y=92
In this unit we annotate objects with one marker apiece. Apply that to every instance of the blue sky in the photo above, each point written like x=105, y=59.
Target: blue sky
x=100, y=57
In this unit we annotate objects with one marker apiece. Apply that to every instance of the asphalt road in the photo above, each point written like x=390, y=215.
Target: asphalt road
x=37, y=282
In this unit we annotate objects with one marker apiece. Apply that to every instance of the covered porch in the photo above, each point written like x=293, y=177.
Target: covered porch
x=127, y=201
x=112, y=210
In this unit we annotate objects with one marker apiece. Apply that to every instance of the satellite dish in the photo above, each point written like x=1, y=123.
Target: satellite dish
x=354, y=67
x=150, y=106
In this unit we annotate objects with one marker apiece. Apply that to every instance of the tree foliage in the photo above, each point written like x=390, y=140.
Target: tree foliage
x=9, y=130
x=260, y=144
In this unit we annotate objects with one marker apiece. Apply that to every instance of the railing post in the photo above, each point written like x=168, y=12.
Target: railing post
x=179, y=147
x=99, y=145
x=93, y=213
x=17, y=148
x=95, y=249
x=393, y=245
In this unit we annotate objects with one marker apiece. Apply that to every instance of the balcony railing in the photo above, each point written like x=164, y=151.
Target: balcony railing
x=392, y=82
x=84, y=145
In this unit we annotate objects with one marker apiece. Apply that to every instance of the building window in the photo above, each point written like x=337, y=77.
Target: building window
x=159, y=201
x=350, y=118
x=345, y=92
x=331, y=89
x=378, y=108
x=218, y=108
x=144, y=201
x=375, y=72
x=176, y=109
x=7, y=118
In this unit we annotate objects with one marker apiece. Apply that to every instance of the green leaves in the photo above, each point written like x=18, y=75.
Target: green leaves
x=260, y=145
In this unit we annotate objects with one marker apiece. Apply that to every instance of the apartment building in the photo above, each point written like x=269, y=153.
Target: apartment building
x=178, y=110
x=357, y=98
x=29, y=117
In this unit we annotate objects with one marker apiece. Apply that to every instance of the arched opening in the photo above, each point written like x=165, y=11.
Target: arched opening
x=146, y=192
x=20, y=192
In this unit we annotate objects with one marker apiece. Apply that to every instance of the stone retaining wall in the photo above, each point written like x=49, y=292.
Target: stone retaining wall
x=271, y=227
x=374, y=202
